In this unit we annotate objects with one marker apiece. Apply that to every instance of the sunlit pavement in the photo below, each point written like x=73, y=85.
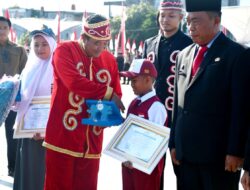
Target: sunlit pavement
x=6, y=182
x=110, y=169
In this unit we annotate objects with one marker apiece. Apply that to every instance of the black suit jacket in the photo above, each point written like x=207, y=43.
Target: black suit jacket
x=207, y=121
x=165, y=66
x=246, y=109
x=151, y=48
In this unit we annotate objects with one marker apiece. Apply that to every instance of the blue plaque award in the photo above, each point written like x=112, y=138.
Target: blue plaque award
x=103, y=113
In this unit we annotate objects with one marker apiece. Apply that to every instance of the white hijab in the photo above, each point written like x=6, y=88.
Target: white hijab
x=36, y=77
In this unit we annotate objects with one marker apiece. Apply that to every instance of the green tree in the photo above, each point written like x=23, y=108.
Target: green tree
x=140, y=24
x=24, y=39
x=133, y=2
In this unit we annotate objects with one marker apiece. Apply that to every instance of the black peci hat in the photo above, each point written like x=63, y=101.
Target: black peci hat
x=44, y=30
x=204, y=5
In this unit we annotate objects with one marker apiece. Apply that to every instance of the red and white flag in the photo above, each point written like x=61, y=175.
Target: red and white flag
x=58, y=20
x=7, y=15
x=128, y=46
x=14, y=36
x=116, y=44
x=122, y=34
x=73, y=36
x=84, y=16
x=111, y=45
x=133, y=48
x=120, y=40
x=140, y=49
x=123, y=31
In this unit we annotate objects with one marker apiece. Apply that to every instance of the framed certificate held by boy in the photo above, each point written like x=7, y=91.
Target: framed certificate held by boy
x=35, y=119
x=139, y=141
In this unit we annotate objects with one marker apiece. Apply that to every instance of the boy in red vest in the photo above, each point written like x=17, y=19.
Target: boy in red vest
x=148, y=106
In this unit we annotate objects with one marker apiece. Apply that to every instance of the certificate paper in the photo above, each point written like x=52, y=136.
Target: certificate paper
x=36, y=118
x=139, y=141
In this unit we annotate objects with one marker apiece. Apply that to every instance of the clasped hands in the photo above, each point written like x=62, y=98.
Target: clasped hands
x=232, y=163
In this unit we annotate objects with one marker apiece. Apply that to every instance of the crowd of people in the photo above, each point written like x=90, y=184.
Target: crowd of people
x=196, y=84
x=124, y=61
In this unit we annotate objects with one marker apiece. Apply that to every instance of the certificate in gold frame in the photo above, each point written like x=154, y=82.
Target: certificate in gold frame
x=139, y=141
x=35, y=119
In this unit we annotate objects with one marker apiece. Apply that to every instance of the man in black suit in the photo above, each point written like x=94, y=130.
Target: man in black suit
x=208, y=134
x=245, y=180
x=162, y=50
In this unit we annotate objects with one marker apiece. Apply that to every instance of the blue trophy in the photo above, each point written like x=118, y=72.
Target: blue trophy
x=102, y=113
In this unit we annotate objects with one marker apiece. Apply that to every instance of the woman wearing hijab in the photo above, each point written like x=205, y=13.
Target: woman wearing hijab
x=36, y=80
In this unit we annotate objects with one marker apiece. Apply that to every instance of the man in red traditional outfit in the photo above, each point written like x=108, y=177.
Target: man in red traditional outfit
x=82, y=70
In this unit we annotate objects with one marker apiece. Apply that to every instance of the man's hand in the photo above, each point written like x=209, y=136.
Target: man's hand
x=118, y=102
x=173, y=156
x=245, y=180
x=233, y=163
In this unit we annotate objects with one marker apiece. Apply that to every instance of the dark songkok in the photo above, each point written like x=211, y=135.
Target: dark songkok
x=203, y=5
x=171, y=4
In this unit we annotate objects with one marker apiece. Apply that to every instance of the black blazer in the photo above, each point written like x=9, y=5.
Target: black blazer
x=164, y=84
x=207, y=120
x=246, y=109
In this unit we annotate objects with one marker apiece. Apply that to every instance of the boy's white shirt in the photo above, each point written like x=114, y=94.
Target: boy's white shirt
x=157, y=112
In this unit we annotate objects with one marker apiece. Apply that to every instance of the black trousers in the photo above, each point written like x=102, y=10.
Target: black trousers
x=126, y=68
x=207, y=177
x=162, y=175
x=11, y=143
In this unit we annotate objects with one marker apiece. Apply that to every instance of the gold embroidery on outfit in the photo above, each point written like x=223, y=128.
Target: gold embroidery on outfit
x=96, y=25
x=97, y=130
x=80, y=68
x=103, y=76
x=69, y=120
x=70, y=152
x=62, y=150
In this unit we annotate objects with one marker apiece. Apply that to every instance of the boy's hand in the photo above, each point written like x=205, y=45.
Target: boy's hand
x=118, y=102
x=128, y=164
x=37, y=136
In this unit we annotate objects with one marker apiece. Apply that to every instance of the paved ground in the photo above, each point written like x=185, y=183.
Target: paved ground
x=110, y=169
x=5, y=181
